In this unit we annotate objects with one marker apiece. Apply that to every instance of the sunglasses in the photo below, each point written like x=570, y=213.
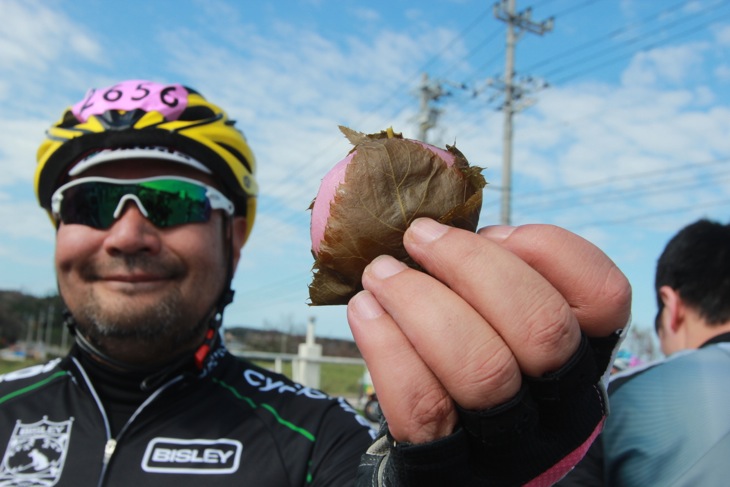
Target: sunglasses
x=165, y=201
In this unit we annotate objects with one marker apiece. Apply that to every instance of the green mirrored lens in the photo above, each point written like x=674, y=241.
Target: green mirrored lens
x=171, y=202
x=167, y=202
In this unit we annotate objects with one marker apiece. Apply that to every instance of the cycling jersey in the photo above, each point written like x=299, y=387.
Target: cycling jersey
x=232, y=423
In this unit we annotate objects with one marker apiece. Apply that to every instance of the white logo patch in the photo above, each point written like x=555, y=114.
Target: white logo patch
x=36, y=453
x=204, y=457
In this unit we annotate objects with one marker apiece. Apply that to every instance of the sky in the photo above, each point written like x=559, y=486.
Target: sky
x=622, y=134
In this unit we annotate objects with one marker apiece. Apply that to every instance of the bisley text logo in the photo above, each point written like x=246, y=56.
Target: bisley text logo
x=198, y=456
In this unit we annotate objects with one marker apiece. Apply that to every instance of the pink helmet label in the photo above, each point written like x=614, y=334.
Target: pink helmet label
x=169, y=100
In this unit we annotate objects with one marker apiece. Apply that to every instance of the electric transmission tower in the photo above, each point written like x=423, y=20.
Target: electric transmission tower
x=514, y=92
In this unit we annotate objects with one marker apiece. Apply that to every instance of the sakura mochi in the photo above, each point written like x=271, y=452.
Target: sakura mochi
x=367, y=200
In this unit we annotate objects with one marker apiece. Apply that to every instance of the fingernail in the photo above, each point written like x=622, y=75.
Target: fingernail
x=365, y=306
x=425, y=230
x=497, y=233
x=385, y=266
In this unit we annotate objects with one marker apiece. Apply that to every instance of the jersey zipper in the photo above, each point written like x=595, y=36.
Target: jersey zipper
x=111, y=443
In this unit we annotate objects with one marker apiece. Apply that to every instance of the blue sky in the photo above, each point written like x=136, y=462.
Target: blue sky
x=629, y=142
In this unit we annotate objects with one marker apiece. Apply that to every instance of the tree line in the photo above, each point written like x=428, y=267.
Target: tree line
x=27, y=317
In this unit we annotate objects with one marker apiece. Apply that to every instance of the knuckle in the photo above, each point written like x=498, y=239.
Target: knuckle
x=552, y=333
x=610, y=305
x=617, y=290
x=492, y=378
x=433, y=405
x=430, y=415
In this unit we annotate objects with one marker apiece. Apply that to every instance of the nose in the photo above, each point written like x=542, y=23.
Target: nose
x=132, y=232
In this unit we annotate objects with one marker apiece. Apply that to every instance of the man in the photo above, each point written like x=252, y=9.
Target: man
x=488, y=368
x=669, y=423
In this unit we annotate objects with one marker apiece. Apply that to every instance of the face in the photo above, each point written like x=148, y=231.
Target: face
x=139, y=293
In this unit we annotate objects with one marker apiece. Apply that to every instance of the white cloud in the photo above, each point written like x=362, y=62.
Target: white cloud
x=722, y=72
x=694, y=6
x=24, y=219
x=667, y=65
x=38, y=35
x=289, y=84
x=722, y=34
x=18, y=149
x=336, y=82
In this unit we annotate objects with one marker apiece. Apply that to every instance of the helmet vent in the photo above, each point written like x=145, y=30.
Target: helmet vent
x=191, y=114
x=117, y=120
x=69, y=120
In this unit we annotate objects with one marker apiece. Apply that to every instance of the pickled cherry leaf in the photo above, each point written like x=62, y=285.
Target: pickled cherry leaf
x=390, y=182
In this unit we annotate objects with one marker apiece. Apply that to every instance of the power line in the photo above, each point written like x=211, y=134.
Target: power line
x=676, y=169
x=651, y=215
x=610, y=35
x=475, y=22
x=683, y=33
x=596, y=61
x=571, y=9
x=448, y=45
x=301, y=169
x=556, y=71
x=649, y=189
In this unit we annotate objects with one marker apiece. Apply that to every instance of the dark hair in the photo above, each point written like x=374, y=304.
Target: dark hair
x=696, y=264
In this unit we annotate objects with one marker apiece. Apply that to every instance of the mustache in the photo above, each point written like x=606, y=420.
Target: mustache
x=133, y=264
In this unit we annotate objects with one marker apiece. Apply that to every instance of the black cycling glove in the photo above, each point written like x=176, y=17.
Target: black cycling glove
x=535, y=438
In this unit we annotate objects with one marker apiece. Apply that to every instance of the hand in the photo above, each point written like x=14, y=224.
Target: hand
x=494, y=306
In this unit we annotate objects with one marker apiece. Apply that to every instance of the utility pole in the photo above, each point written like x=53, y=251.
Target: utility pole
x=517, y=24
x=429, y=92
x=428, y=115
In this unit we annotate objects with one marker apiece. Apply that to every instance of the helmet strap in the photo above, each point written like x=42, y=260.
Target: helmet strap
x=90, y=348
x=225, y=298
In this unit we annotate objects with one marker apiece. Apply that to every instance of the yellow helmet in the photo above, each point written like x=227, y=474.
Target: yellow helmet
x=139, y=114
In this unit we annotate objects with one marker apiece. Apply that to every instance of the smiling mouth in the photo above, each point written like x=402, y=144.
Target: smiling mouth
x=135, y=284
x=132, y=274
x=134, y=279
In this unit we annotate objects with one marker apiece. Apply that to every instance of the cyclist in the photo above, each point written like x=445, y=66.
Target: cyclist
x=152, y=191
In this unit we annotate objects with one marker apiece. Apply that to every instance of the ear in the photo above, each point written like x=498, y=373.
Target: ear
x=676, y=309
x=238, y=237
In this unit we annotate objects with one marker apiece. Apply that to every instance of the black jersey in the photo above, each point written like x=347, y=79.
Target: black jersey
x=232, y=423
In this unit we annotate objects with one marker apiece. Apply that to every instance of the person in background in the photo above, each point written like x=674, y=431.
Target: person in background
x=488, y=367
x=669, y=423
x=624, y=360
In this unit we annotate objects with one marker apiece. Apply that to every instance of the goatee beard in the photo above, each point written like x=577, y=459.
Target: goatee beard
x=165, y=326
